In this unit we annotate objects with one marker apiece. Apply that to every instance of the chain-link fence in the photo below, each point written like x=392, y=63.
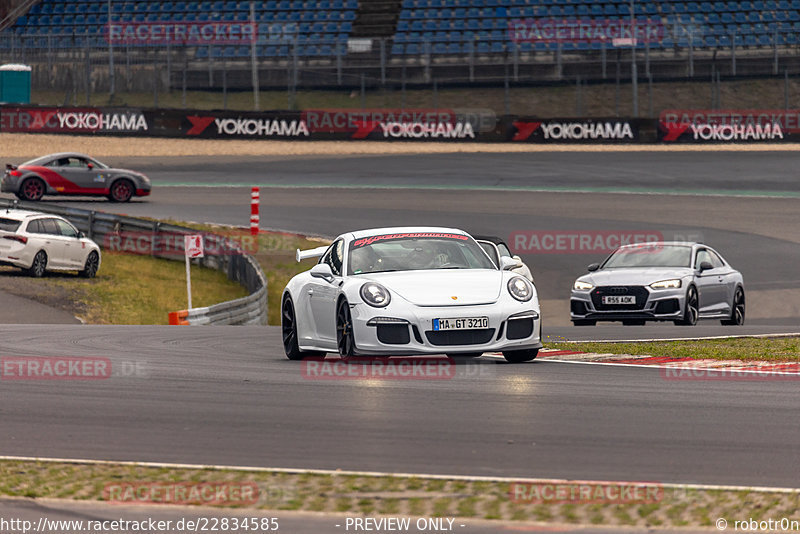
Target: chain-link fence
x=280, y=70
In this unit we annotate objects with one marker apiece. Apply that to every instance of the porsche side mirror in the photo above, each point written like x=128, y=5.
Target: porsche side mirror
x=90, y=166
x=705, y=266
x=322, y=270
x=593, y=267
x=506, y=263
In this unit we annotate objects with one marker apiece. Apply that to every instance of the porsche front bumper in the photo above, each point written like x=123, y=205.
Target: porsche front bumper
x=412, y=332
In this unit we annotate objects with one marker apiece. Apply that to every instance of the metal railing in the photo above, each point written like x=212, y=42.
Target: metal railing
x=227, y=257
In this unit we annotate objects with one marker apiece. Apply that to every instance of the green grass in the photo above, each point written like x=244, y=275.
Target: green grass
x=778, y=349
x=142, y=290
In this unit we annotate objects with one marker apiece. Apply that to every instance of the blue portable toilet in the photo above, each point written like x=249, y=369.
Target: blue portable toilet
x=15, y=84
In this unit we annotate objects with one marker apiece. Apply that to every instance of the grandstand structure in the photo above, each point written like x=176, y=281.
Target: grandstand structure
x=345, y=42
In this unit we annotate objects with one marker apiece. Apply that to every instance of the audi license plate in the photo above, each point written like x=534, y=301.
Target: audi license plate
x=461, y=323
x=623, y=299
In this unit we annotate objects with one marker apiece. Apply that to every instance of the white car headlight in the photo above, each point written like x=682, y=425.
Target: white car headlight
x=375, y=295
x=582, y=286
x=520, y=289
x=667, y=284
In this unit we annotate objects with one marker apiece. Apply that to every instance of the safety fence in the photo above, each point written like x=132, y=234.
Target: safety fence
x=122, y=234
x=482, y=125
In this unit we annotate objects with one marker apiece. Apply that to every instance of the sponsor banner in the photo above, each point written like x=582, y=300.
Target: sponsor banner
x=181, y=33
x=721, y=126
x=403, y=124
x=586, y=492
x=616, y=32
x=73, y=120
x=231, y=125
x=535, y=130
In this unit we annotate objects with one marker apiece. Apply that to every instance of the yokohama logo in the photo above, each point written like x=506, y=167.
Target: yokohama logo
x=419, y=130
x=248, y=127
x=736, y=132
x=587, y=130
x=133, y=122
x=263, y=127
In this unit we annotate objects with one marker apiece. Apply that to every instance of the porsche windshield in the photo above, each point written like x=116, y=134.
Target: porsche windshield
x=650, y=256
x=413, y=252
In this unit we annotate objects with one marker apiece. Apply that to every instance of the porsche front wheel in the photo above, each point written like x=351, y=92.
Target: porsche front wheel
x=345, y=339
x=289, y=332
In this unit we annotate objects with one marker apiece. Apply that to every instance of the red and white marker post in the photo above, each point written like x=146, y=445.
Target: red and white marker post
x=255, y=196
x=193, y=247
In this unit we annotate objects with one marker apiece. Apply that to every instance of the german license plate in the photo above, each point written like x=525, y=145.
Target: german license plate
x=461, y=323
x=623, y=299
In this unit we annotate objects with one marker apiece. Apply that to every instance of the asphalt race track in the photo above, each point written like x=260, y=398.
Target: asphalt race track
x=227, y=395
x=744, y=204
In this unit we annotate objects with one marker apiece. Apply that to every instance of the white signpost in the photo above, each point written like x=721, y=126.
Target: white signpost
x=193, y=245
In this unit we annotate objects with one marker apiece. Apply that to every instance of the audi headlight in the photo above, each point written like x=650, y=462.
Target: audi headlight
x=375, y=295
x=520, y=289
x=582, y=286
x=667, y=284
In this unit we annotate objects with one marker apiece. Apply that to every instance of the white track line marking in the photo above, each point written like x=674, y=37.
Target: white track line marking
x=397, y=475
x=681, y=365
x=653, y=340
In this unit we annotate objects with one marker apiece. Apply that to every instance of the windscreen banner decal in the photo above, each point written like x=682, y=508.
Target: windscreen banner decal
x=421, y=235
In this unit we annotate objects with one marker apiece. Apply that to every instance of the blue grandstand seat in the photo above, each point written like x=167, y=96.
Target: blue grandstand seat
x=412, y=49
x=483, y=47
x=397, y=49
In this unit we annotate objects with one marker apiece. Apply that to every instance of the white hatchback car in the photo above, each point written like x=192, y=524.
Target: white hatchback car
x=39, y=242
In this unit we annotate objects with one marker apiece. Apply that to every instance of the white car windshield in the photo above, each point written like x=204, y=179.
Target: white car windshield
x=650, y=255
x=415, y=251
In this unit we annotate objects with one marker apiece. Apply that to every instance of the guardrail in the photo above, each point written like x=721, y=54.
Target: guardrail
x=222, y=254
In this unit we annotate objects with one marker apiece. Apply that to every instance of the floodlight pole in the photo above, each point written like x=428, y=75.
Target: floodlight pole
x=112, y=89
x=253, y=57
x=634, y=74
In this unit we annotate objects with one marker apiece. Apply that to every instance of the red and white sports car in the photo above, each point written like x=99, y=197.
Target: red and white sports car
x=70, y=173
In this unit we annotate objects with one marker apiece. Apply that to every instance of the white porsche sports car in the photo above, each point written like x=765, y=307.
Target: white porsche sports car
x=409, y=291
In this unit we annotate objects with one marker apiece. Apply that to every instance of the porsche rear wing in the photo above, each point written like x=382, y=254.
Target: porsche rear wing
x=312, y=253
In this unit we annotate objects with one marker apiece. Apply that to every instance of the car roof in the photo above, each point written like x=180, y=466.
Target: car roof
x=23, y=214
x=403, y=229
x=665, y=244
x=48, y=157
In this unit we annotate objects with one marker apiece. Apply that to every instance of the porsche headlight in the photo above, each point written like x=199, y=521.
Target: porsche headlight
x=582, y=286
x=375, y=295
x=667, y=284
x=520, y=289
